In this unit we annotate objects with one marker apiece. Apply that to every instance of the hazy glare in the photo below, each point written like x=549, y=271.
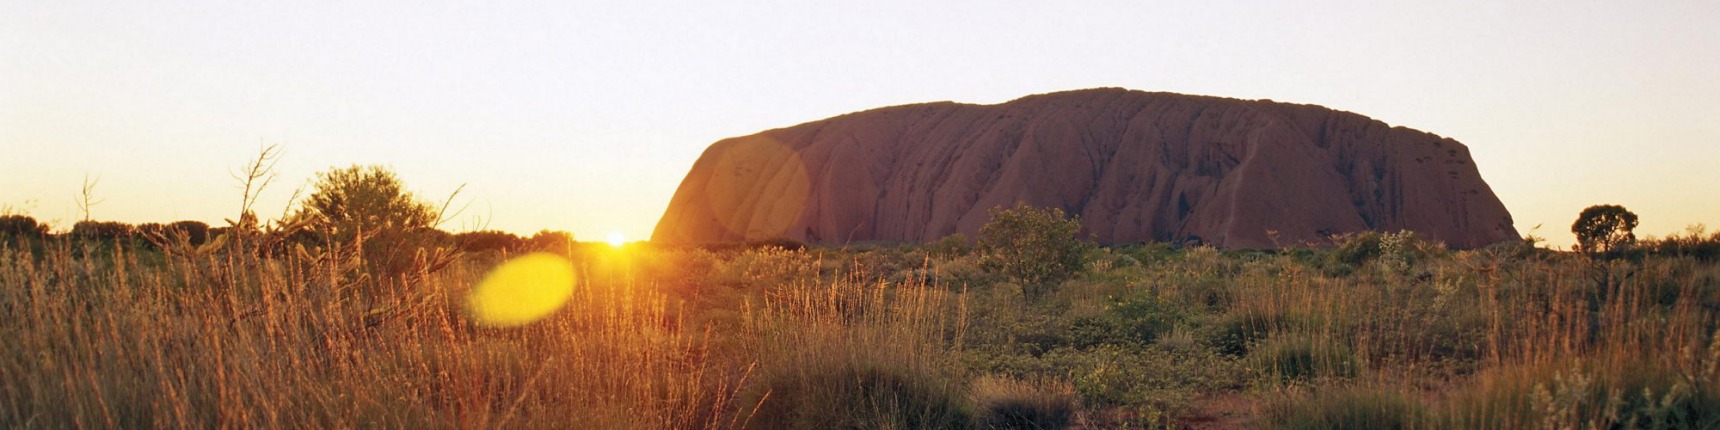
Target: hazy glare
x=584, y=117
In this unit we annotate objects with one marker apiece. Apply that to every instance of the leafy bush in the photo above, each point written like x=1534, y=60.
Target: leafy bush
x=1138, y=320
x=1353, y=251
x=1036, y=247
x=1396, y=253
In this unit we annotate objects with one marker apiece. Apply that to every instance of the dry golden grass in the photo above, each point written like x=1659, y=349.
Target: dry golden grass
x=105, y=336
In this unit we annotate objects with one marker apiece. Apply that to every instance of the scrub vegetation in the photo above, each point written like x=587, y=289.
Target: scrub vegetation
x=283, y=324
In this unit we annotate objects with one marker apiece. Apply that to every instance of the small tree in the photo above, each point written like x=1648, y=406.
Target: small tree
x=369, y=198
x=1604, y=230
x=369, y=206
x=1037, y=248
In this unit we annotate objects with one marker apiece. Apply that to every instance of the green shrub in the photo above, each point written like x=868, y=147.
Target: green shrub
x=1352, y=252
x=1138, y=320
x=1400, y=253
x=1346, y=408
x=1038, y=248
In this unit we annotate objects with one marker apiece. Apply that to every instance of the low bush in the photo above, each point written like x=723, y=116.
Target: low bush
x=1138, y=320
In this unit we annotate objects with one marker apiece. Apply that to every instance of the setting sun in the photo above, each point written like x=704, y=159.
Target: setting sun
x=615, y=239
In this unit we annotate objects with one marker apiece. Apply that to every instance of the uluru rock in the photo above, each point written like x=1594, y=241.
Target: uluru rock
x=1135, y=166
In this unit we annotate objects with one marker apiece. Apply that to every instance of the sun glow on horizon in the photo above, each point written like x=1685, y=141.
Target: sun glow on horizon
x=616, y=239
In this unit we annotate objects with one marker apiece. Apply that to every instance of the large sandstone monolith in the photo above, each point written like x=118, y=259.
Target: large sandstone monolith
x=1135, y=166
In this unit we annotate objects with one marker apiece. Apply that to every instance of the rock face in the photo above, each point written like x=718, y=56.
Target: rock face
x=1135, y=166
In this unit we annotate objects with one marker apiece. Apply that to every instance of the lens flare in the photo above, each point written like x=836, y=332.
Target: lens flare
x=522, y=290
x=615, y=239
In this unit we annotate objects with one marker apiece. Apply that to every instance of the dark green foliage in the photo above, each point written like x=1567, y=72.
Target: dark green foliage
x=1604, y=230
x=488, y=240
x=1353, y=251
x=1399, y=253
x=103, y=230
x=1038, y=248
x=21, y=226
x=856, y=395
x=1347, y=408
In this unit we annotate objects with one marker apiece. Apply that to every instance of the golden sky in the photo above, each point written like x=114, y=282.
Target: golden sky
x=584, y=117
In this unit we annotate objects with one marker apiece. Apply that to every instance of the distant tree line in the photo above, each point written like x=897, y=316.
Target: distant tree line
x=199, y=233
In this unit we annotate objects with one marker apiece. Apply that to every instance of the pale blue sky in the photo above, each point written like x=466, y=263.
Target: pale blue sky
x=584, y=116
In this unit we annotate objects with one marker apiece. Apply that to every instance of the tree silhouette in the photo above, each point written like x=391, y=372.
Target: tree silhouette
x=1604, y=230
x=365, y=198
